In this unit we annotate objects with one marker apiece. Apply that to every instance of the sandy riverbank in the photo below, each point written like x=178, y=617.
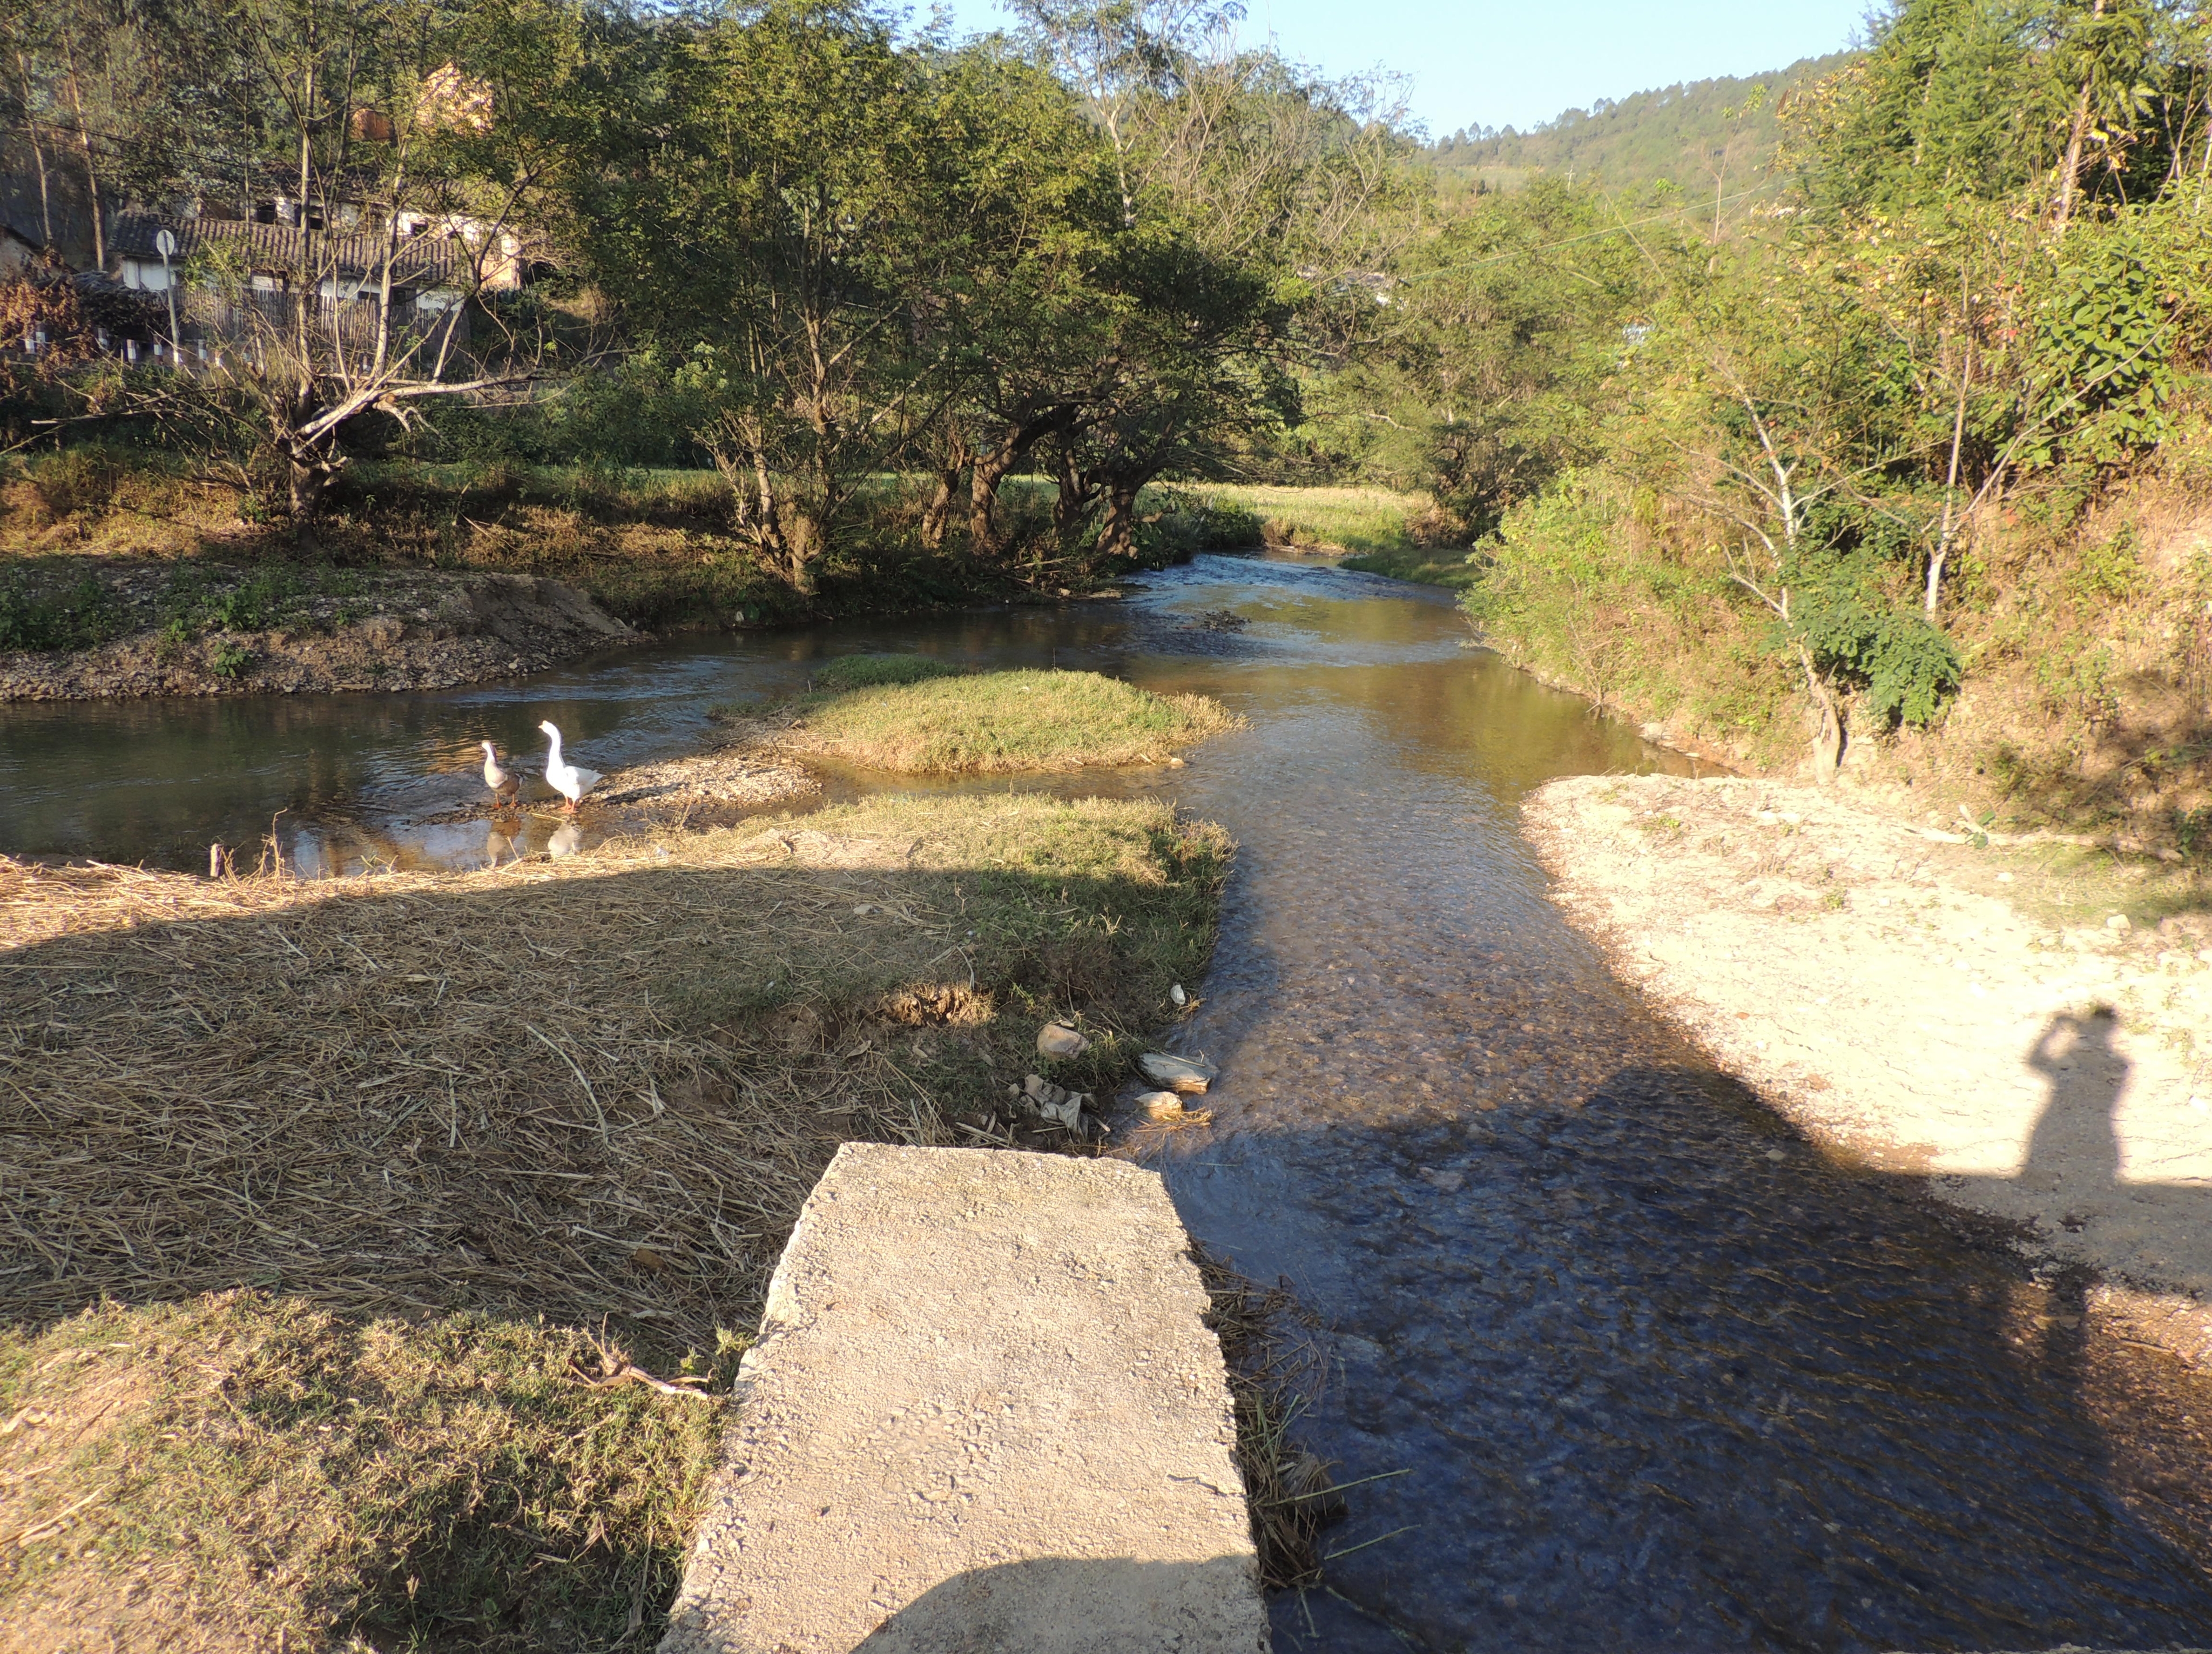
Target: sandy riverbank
x=1928, y=1009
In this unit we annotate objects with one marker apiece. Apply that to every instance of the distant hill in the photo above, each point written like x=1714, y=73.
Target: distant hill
x=1675, y=135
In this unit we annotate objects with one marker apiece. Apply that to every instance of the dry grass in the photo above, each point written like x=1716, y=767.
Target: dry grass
x=996, y=722
x=244, y=1471
x=479, y=1112
x=1273, y=1369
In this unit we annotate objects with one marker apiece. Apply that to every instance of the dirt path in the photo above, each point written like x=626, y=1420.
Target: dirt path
x=1925, y=1007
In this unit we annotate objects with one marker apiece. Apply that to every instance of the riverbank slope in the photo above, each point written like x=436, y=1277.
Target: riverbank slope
x=2022, y=1024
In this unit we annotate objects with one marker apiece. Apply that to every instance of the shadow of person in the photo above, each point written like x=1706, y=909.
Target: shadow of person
x=2076, y=1144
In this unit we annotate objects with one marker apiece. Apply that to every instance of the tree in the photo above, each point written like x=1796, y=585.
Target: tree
x=782, y=220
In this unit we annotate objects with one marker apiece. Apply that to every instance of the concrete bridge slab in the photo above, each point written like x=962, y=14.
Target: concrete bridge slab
x=983, y=1417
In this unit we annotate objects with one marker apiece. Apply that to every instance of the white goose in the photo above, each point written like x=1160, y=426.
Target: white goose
x=563, y=777
x=505, y=789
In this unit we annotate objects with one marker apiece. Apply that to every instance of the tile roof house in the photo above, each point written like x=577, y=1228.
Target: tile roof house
x=438, y=262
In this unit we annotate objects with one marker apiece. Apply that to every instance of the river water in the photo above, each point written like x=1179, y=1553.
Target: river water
x=1636, y=1366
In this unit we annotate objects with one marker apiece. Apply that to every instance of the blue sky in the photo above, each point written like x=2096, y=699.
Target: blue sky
x=1511, y=61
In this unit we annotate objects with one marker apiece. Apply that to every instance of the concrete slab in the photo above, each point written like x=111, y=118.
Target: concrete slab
x=983, y=1417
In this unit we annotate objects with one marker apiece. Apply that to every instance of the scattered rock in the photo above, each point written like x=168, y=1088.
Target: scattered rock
x=1161, y=1105
x=1218, y=620
x=721, y=775
x=1174, y=763
x=2118, y=922
x=1054, y=1105
x=1057, y=1039
x=1176, y=994
x=1178, y=1073
x=1450, y=1182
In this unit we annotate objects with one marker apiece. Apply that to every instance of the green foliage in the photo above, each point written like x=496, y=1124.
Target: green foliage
x=1904, y=667
x=2106, y=571
x=256, y=603
x=1667, y=137
x=1175, y=523
x=1501, y=333
x=232, y=660
x=81, y=616
x=2100, y=355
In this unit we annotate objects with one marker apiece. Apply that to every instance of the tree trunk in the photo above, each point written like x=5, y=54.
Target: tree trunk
x=307, y=482
x=802, y=542
x=949, y=468
x=2069, y=169
x=992, y=469
x=1827, y=753
x=1076, y=495
x=1117, y=535
x=84, y=143
x=37, y=155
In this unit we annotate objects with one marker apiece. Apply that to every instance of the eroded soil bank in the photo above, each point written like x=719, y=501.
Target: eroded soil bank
x=242, y=631
x=1971, y=1013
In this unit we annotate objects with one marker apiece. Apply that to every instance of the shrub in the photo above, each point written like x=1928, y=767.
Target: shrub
x=1180, y=524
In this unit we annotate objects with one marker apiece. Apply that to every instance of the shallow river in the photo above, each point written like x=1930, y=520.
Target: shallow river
x=1654, y=1373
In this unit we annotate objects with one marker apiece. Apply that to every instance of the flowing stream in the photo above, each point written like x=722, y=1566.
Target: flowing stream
x=1633, y=1364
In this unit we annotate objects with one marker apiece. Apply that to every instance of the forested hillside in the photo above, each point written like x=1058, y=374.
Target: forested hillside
x=1708, y=136
x=1909, y=473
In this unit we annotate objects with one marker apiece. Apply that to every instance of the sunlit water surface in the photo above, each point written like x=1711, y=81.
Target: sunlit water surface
x=1656, y=1374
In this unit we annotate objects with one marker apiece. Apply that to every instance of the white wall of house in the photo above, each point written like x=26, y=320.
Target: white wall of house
x=147, y=275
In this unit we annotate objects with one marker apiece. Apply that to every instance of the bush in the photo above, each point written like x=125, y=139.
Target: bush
x=1180, y=524
x=1905, y=668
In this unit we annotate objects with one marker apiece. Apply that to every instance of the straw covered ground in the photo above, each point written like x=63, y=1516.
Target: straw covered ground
x=342, y=1222
x=884, y=713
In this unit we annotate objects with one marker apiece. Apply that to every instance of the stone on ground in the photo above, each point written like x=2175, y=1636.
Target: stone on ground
x=983, y=1414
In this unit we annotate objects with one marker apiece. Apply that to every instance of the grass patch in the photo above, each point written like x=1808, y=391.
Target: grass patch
x=449, y=1482
x=1356, y=519
x=852, y=671
x=1425, y=565
x=439, y=1128
x=996, y=722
